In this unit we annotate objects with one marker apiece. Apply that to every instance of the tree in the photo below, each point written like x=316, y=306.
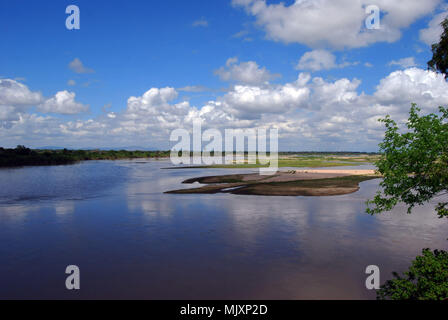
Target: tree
x=439, y=61
x=22, y=150
x=426, y=279
x=414, y=164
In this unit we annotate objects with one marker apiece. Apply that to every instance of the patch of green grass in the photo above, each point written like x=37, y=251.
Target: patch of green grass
x=289, y=162
x=313, y=163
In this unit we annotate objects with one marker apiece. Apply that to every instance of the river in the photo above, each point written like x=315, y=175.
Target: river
x=130, y=240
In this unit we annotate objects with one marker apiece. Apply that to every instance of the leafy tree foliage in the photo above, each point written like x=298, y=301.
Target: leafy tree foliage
x=414, y=164
x=439, y=61
x=426, y=279
x=415, y=169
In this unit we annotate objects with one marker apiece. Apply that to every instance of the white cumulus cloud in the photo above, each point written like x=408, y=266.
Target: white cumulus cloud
x=17, y=94
x=311, y=113
x=317, y=60
x=15, y=99
x=432, y=33
x=63, y=102
x=426, y=88
x=244, y=72
x=334, y=23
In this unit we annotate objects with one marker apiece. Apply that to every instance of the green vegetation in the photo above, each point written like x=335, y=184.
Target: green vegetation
x=415, y=169
x=363, y=159
x=22, y=156
x=298, y=163
x=414, y=164
x=301, y=160
x=339, y=154
x=316, y=162
x=426, y=279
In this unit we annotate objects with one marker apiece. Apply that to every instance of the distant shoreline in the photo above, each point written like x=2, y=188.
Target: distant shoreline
x=22, y=156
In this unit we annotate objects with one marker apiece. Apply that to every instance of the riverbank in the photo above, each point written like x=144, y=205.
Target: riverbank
x=295, y=160
x=283, y=183
x=22, y=156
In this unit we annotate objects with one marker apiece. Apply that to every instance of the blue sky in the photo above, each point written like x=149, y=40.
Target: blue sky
x=130, y=47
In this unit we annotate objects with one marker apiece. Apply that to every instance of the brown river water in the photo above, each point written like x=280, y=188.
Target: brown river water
x=130, y=240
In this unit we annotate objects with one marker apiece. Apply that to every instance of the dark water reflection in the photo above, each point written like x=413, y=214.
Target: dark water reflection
x=132, y=241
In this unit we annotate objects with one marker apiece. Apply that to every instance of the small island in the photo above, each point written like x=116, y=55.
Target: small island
x=283, y=183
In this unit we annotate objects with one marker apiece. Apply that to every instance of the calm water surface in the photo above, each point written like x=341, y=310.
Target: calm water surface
x=132, y=241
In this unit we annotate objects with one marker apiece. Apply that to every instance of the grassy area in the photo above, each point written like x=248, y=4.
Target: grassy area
x=366, y=159
x=22, y=156
x=301, y=161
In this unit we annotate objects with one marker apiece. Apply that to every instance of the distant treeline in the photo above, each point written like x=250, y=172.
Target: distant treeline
x=23, y=156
